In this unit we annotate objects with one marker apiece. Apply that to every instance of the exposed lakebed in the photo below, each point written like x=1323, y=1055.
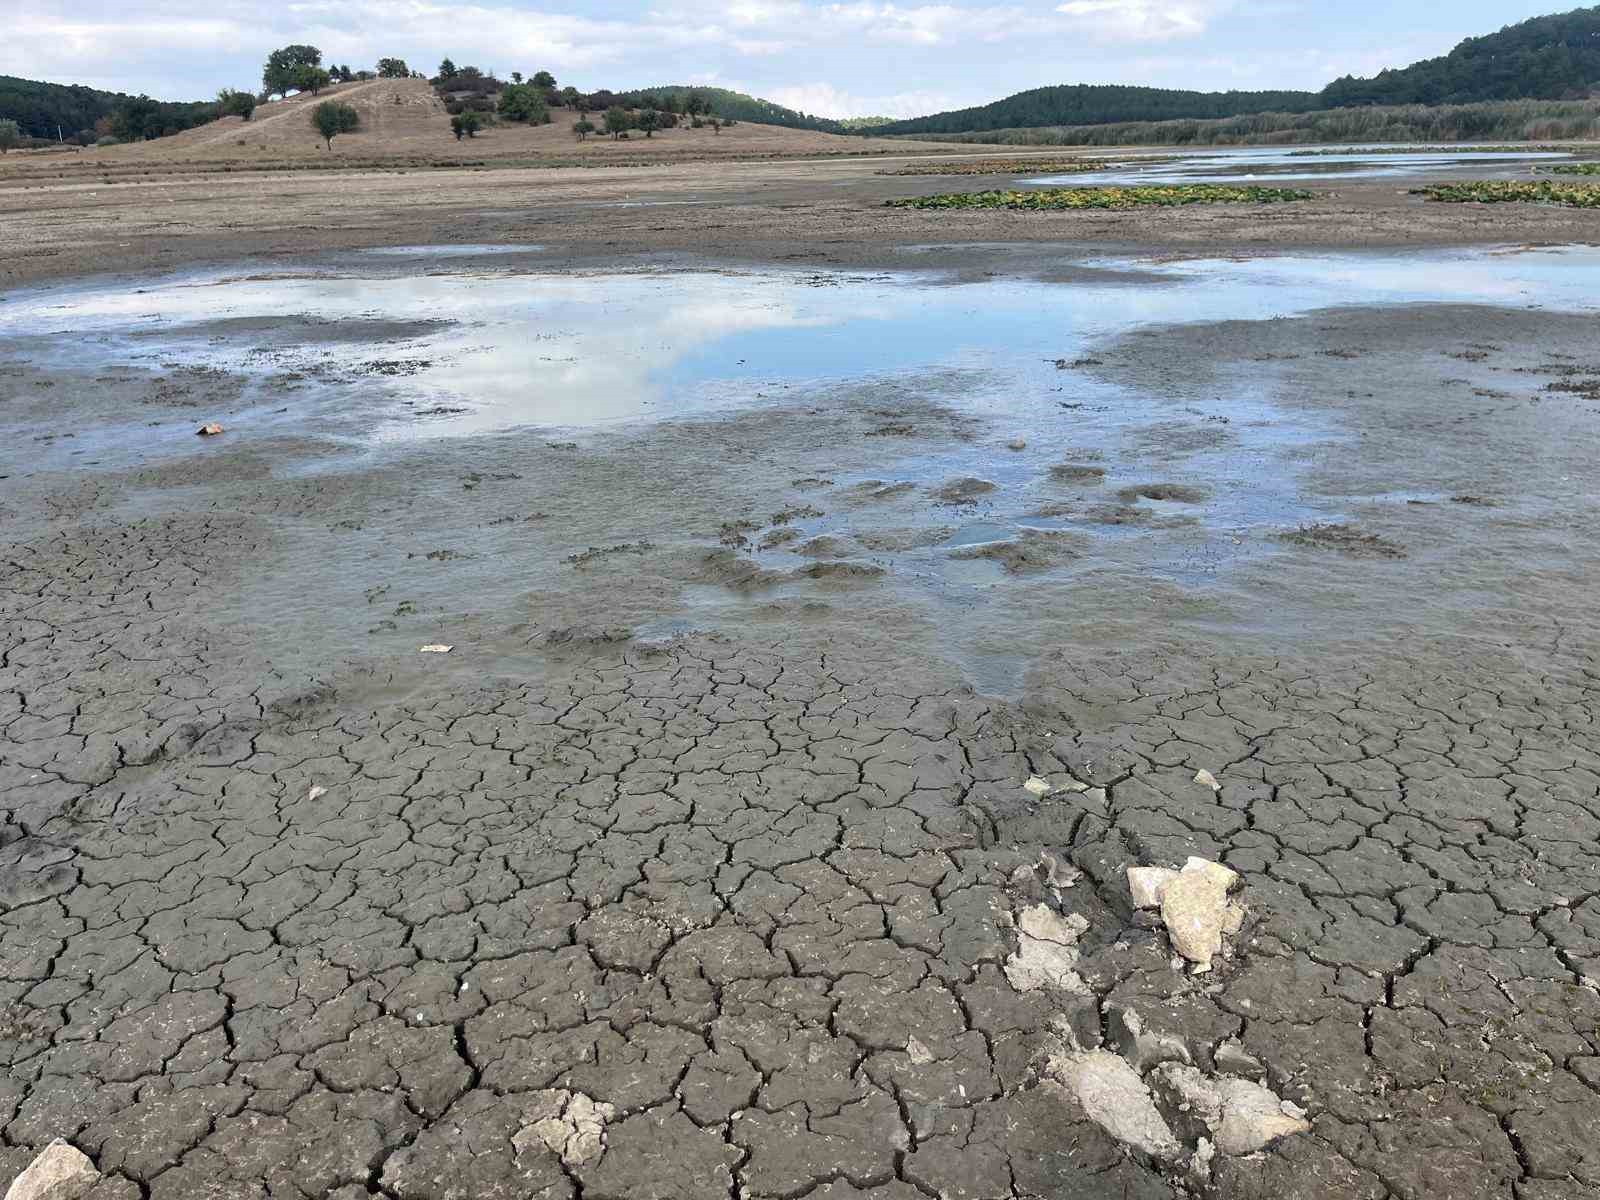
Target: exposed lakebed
x=727, y=438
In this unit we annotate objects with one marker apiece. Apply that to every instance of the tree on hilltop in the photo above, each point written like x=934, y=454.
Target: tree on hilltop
x=543, y=80
x=393, y=68
x=285, y=65
x=235, y=104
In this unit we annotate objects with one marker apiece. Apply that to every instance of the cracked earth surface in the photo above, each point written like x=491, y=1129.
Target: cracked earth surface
x=731, y=916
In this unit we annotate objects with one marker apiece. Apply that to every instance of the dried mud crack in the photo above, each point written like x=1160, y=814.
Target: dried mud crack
x=725, y=919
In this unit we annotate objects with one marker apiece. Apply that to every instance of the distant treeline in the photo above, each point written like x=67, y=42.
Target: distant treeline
x=1506, y=120
x=736, y=105
x=1547, y=58
x=82, y=113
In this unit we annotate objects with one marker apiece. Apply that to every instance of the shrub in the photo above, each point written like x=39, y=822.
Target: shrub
x=10, y=135
x=236, y=104
x=467, y=124
x=582, y=127
x=617, y=121
x=108, y=140
x=522, y=102
x=331, y=118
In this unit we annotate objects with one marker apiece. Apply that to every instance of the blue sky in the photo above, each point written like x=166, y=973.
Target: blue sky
x=836, y=59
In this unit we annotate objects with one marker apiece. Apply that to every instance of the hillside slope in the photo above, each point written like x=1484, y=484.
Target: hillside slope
x=1546, y=58
x=739, y=106
x=45, y=110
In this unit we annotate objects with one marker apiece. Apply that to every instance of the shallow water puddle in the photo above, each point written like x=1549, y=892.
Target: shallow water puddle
x=1285, y=164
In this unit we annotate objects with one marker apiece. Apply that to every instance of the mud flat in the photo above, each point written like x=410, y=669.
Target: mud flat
x=824, y=645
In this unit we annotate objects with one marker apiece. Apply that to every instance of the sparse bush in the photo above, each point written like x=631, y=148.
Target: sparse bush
x=618, y=121
x=10, y=135
x=466, y=124
x=331, y=118
x=582, y=127
x=236, y=104
x=649, y=121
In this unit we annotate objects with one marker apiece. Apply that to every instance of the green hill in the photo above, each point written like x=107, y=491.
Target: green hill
x=43, y=108
x=1546, y=58
x=736, y=105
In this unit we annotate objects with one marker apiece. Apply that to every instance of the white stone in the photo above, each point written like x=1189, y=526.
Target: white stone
x=1047, y=952
x=1194, y=909
x=1113, y=1096
x=436, y=648
x=1145, y=885
x=919, y=1054
x=1243, y=1116
x=1037, y=787
x=315, y=792
x=60, y=1172
x=1206, y=777
x=568, y=1124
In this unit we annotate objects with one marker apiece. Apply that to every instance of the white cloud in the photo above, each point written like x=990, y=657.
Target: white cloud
x=825, y=100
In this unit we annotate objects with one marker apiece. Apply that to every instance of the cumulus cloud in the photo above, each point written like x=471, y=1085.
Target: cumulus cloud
x=825, y=100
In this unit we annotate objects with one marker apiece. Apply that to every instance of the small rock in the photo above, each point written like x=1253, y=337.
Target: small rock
x=919, y=1054
x=315, y=792
x=209, y=429
x=568, y=1124
x=1194, y=910
x=1232, y=1059
x=1037, y=787
x=1017, y=444
x=1047, y=952
x=1242, y=1116
x=1139, y=1046
x=1057, y=873
x=1206, y=777
x=436, y=648
x=1145, y=885
x=1113, y=1096
x=60, y=1172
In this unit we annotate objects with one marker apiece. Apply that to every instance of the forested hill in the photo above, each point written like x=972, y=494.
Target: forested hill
x=736, y=105
x=1546, y=58
x=42, y=108
x=1097, y=104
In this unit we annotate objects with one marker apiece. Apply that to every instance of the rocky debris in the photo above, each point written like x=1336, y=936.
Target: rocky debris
x=1037, y=787
x=1232, y=1059
x=1145, y=885
x=209, y=429
x=1239, y=1115
x=1194, y=906
x=568, y=1124
x=1114, y=1097
x=1206, y=777
x=1047, y=951
x=1140, y=1047
x=918, y=1053
x=60, y=1172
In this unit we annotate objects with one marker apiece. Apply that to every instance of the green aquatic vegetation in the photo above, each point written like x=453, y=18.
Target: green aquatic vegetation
x=1491, y=191
x=999, y=166
x=1058, y=199
x=1585, y=168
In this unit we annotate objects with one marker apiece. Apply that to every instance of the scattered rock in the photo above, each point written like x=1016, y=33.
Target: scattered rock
x=1196, y=912
x=1047, y=952
x=1140, y=1047
x=1206, y=777
x=1057, y=873
x=315, y=792
x=1037, y=787
x=1113, y=1096
x=1145, y=885
x=1232, y=1059
x=1240, y=1115
x=209, y=429
x=568, y=1124
x=60, y=1172
x=1017, y=444
x=919, y=1054
x=435, y=648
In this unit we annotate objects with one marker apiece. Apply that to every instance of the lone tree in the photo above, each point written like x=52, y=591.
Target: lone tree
x=523, y=102
x=393, y=68
x=10, y=135
x=467, y=123
x=582, y=127
x=235, y=104
x=282, y=72
x=649, y=121
x=447, y=70
x=331, y=118
x=543, y=80
x=618, y=121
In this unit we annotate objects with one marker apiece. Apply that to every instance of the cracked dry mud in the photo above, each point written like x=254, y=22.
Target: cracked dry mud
x=760, y=906
x=732, y=916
